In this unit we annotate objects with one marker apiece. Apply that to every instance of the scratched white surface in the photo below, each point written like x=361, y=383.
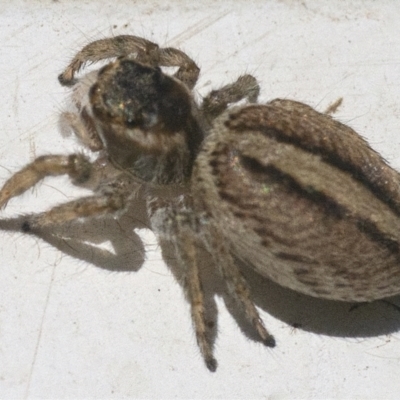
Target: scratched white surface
x=71, y=329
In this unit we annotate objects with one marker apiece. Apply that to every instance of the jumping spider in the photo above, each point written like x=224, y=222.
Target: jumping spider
x=297, y=195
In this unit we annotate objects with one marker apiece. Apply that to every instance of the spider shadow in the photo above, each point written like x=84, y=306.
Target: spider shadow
x=81, y=240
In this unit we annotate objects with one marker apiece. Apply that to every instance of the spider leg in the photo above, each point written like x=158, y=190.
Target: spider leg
x=107, y=48
x=187, y=252
x=91, y=206
x=77, y=166
x=187, y=248
x=109, y=198
x=188, y=71
x=217, y=101
x=237, y=286
x=138, y=48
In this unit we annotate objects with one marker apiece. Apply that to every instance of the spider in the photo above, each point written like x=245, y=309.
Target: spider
x=290, y=191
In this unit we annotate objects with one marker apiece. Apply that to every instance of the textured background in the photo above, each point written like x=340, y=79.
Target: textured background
x=73, y=327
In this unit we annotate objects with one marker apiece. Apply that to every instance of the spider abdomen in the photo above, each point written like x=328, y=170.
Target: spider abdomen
x=300, y=219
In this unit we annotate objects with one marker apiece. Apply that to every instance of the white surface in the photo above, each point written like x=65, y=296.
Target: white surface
x=72, y=329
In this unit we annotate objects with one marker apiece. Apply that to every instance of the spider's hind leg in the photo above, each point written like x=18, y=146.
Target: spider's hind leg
x=188, y=254
x=188, y=248
x=174, y=220
x=236, y=284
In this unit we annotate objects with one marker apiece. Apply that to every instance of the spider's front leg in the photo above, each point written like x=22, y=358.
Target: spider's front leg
x=187, y=248
x=140, y=49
